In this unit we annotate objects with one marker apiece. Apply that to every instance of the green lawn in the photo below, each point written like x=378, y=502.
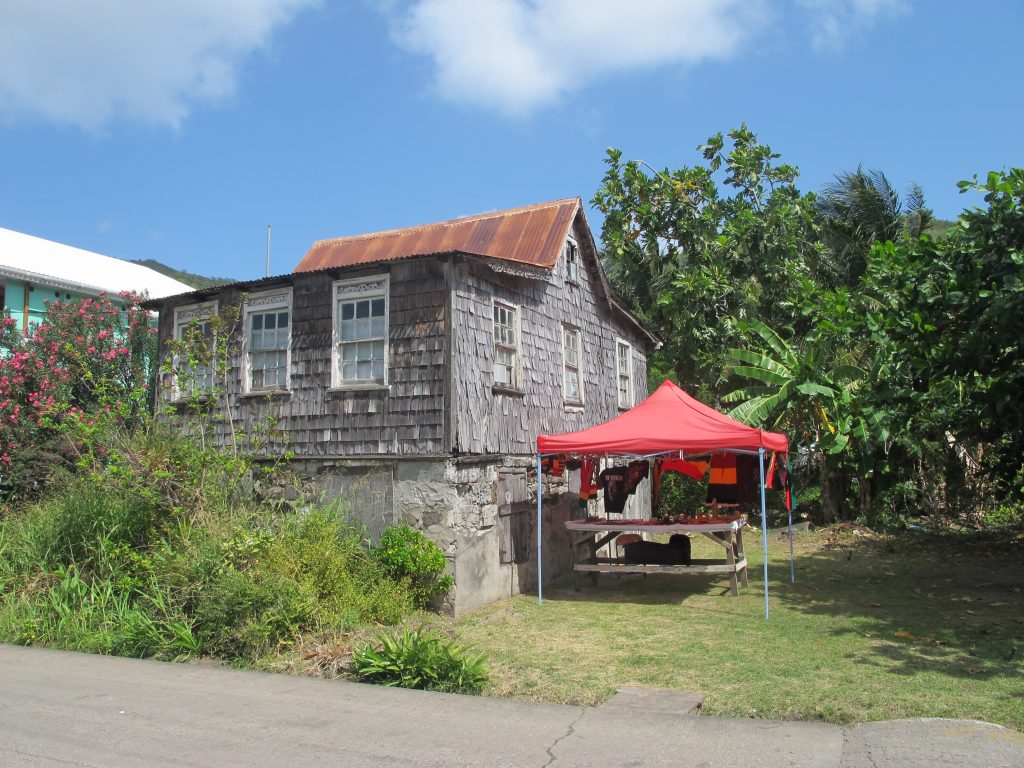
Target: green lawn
x=873, y=629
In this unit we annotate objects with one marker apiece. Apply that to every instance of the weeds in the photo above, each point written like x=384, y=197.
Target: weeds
x=420, y=658
x=163, y=551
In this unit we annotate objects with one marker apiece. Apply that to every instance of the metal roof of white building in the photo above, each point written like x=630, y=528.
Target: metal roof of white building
x=35, y=260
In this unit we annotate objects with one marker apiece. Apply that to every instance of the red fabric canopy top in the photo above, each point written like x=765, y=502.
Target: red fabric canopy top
x=668, y=420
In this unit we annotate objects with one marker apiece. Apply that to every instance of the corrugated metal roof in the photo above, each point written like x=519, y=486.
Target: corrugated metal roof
x=533, y=234
x=36, y=260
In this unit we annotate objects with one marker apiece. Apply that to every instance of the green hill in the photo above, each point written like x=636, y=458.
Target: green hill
x=189, y=278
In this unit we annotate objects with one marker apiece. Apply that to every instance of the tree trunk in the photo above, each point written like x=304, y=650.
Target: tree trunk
x=831, y=494
x=866, y=486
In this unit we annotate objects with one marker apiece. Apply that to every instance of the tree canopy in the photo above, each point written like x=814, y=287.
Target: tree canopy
x=890, y=355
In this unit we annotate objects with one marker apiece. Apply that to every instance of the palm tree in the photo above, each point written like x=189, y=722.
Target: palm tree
x=862, y=208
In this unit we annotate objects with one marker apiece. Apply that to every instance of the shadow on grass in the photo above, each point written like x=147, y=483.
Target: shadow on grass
x=923, y=605
x=917, y=605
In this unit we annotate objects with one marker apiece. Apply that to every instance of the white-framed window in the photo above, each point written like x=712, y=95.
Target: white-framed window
x=624, y=372
x=267, y=340
x=572, y=349
x=572, y=261
x=506, y=344
x=197, y=378
x=359, y=355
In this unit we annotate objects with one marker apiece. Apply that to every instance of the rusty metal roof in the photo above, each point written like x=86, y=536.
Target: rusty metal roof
x=532, y=234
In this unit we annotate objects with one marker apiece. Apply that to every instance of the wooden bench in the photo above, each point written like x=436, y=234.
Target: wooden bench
x=587, y=535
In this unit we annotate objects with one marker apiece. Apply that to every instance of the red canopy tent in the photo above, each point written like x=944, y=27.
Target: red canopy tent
x=668, y=421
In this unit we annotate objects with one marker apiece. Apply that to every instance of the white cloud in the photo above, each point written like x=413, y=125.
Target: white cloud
x=517, y=55
x=831, y=22
x=87, y=63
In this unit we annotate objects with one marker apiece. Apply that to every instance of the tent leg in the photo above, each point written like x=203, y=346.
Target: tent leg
x=764, y=531
x=540, y=540
x=792, y=568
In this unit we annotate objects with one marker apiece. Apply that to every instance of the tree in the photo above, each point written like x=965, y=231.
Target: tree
x=85, y=367
x=954, y=307
x=696, y=257
x=862, y=208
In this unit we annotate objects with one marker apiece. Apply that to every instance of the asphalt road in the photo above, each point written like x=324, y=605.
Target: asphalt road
x=60, y=709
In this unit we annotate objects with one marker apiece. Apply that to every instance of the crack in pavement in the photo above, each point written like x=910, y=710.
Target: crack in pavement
x=866, y=750
x=563, y=737
x=52, y=759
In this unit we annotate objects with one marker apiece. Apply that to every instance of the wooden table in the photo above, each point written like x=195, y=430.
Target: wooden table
x=588, y=536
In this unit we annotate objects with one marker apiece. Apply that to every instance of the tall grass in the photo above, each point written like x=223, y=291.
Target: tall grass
x=167, y=553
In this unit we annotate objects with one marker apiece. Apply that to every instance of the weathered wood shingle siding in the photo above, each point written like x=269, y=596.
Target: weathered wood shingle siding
x=407, y=419
x=485, y=422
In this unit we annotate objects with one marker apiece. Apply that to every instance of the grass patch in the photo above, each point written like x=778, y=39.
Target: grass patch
x=874, y=628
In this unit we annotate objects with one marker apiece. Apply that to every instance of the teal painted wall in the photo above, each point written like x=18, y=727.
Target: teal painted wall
x=38, y=297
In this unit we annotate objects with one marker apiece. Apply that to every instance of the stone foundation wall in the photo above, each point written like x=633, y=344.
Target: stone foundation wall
x=481, y=512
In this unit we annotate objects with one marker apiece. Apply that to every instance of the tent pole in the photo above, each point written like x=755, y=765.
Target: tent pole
x=792, y=503
x=764, y=531
x=540, y=540
x=792, y=568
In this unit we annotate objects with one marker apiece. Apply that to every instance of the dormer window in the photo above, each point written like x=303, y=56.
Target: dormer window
x=572, y=261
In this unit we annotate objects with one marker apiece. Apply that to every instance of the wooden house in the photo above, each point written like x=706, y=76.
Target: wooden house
x=413, y=369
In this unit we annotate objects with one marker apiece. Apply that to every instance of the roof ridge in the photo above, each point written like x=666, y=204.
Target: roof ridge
x=450, y=222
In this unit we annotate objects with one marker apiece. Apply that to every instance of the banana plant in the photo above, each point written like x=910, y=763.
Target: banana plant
x=808, y=393
x=804, y=390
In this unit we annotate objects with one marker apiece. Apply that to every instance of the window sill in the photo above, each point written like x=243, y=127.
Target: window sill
x=504, y=389
x=184, y=402
x=624, y=407
x=364, y=387
x=573, y=406
x=265, y=393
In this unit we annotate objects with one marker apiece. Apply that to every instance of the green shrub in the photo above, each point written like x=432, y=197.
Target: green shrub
x=337, y=572
x=242, y=615
x=406, y=554
x=276, y=578
x=420, y=658
x=680, y=495
x=159, y=548
x=1006, y=517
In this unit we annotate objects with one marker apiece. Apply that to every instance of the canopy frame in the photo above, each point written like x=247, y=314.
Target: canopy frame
x=718, y=433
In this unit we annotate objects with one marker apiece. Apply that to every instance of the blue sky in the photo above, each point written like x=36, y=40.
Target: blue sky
x=179, y=130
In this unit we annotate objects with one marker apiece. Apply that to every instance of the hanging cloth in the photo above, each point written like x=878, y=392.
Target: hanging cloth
x=636, y=472
x=588, y=483
x=553, y=465
x=694, y=469
x=778, y=477
x=722, y=486
x=613, y=480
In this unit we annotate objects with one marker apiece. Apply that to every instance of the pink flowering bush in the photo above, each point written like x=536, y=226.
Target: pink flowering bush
x=79, y=373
